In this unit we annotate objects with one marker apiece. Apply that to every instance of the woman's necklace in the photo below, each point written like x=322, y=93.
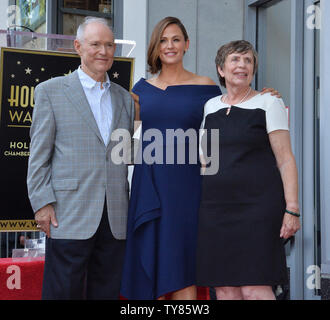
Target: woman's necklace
x=248, y=91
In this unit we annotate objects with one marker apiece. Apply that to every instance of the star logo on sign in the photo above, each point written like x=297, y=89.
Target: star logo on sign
x=115, y=75
x=12, y=75
x=37, y=80
x=28, y=70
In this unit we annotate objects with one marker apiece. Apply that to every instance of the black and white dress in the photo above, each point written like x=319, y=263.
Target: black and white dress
x=243, y=204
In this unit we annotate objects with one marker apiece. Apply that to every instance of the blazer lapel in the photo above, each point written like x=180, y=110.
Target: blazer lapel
x=75, y=93
x=117, y=107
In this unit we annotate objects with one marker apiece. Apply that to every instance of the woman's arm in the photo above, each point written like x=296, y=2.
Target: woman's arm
x=137, y=126
x=136, y=105
x=281, y=146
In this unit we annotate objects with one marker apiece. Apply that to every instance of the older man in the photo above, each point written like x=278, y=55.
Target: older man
x=79, y=196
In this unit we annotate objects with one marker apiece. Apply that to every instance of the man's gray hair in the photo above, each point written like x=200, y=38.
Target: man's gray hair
x=87, y=21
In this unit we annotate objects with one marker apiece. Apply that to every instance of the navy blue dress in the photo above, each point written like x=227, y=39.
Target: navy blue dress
x=163, y=212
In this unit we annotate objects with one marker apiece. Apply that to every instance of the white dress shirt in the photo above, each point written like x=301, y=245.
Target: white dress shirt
x=98, y=96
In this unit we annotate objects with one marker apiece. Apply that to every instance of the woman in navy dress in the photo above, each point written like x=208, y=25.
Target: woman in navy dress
x=165, y=196
x=252, y=201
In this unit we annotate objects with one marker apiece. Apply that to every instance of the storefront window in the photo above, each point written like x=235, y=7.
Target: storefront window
x=72, y=12
x=32, y=15
x=103, y=6
x=71, y=23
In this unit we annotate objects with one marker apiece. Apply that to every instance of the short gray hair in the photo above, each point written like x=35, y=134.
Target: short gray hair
x=238, y=46
x=87, y=21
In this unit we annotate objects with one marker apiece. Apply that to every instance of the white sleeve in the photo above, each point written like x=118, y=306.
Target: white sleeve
x=202, y=131
x=276, y=116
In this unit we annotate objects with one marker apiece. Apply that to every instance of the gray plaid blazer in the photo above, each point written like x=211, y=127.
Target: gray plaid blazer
x=69, y=165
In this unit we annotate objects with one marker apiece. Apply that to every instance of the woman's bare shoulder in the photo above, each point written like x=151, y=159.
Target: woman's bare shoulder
x=152, y=81
x=202, y=80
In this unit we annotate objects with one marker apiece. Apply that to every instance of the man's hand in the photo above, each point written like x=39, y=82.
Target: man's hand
x=44, y=217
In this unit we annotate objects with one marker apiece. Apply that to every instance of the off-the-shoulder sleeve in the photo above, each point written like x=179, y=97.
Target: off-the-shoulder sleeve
x=276, y=116
x=138, y=87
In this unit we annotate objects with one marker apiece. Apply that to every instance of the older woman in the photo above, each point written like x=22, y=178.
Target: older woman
x=252, y=201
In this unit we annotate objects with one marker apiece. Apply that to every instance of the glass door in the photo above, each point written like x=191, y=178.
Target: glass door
x=289, y=47
x=274, y=40
x=274, y=47
x=317, y=206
